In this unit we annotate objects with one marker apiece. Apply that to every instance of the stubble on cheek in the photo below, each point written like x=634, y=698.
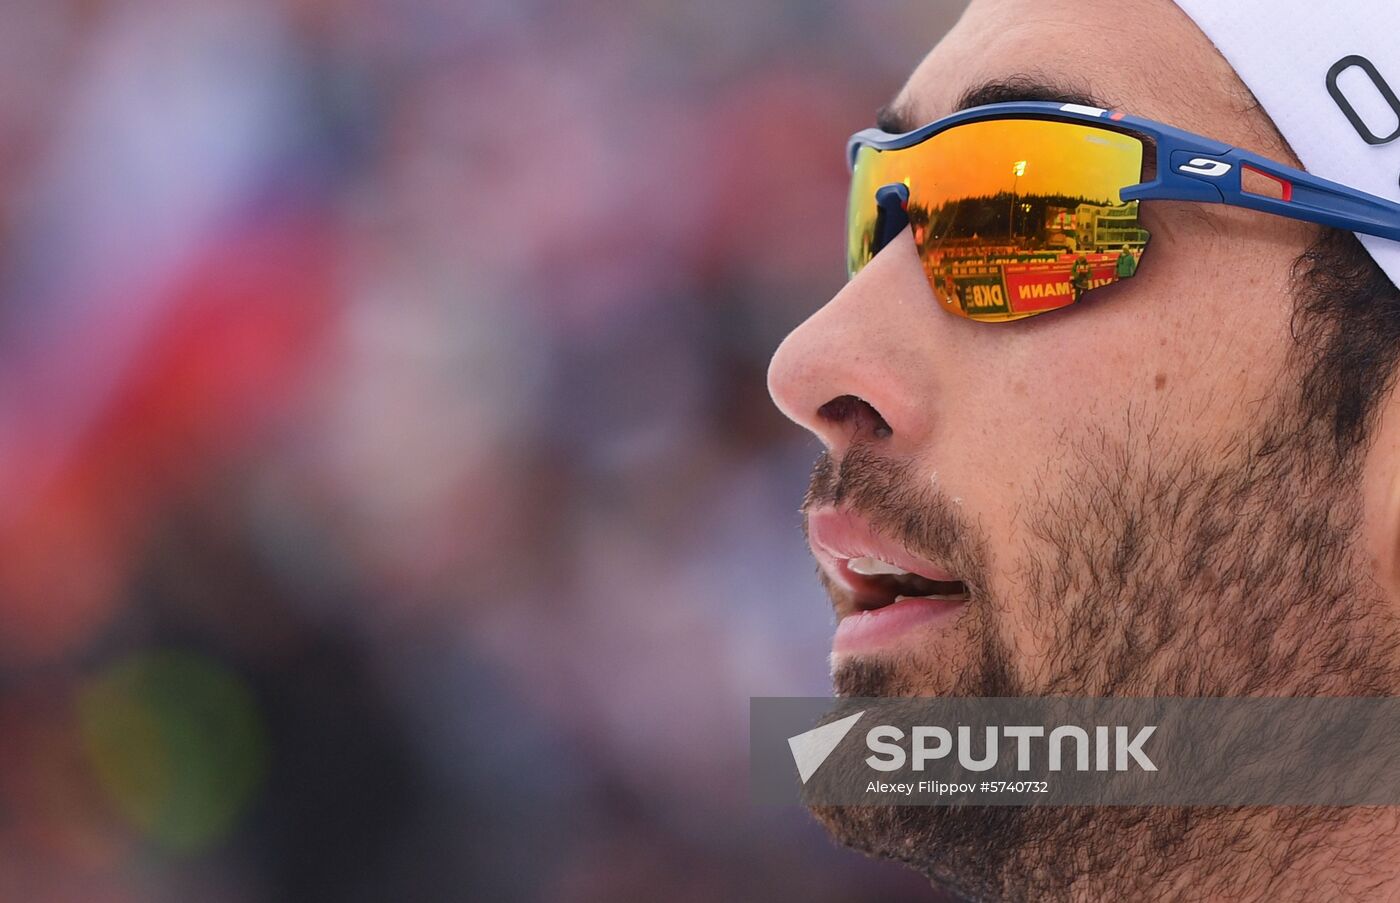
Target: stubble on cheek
x=1228, y=569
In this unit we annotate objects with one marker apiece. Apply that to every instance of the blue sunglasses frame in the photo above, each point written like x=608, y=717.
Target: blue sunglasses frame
x=1190, y=167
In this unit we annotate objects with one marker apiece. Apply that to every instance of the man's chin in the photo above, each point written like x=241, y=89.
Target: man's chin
x=971, y=852
x=867, y=675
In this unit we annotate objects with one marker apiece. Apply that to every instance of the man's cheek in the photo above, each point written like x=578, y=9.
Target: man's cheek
x=1027, y=628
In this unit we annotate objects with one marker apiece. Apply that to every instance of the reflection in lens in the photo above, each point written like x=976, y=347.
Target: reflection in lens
x=1011, y=217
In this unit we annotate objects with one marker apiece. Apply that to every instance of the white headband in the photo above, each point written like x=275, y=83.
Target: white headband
x=1328, y=73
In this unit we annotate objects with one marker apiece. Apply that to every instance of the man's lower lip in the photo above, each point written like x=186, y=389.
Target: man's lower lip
x=867, y=631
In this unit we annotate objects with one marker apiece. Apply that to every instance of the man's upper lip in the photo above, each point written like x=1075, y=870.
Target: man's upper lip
x=836, y=536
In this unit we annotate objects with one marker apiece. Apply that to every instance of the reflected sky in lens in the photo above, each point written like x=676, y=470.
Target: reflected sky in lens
x=1052, y=158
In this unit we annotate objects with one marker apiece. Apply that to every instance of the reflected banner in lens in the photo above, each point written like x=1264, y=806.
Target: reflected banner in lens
x=1011, y=217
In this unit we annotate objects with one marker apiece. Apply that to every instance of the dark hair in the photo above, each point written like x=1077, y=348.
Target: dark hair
x=1346, y=321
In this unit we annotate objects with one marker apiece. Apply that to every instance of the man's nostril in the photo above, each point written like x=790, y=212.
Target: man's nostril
x=857, y=412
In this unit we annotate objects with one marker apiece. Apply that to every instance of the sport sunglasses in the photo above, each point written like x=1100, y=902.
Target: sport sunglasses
x=1020, y=208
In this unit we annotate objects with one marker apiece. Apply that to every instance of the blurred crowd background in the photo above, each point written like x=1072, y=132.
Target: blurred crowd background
x=391, y=506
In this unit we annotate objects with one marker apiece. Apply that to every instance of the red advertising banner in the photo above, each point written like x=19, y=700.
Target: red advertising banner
x=1043, y=286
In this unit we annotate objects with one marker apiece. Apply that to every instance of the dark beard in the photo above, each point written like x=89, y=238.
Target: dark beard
x=1222, y=571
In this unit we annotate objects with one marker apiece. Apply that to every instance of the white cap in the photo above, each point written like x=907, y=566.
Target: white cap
x=1327, y=72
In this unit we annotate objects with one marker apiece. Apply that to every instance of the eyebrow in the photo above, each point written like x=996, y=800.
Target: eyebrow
x=899, y=116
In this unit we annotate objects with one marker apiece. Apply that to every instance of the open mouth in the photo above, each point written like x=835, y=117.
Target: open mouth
x=883, y=593
x=878, y=583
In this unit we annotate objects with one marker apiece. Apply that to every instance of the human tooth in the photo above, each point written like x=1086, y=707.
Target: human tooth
x=873, y=567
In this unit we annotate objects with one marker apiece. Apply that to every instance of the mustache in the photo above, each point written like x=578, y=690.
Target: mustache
x=900, y=504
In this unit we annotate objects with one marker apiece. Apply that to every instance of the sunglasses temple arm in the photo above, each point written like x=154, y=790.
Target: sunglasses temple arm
x=1304, y=196
x=1324, y=202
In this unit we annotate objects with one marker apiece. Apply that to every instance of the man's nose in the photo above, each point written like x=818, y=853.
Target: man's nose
x=863, y=367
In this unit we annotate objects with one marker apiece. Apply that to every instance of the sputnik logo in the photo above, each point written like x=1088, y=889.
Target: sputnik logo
x=810, y=749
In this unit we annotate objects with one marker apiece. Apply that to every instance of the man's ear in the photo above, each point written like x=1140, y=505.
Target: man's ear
x=1380, y=490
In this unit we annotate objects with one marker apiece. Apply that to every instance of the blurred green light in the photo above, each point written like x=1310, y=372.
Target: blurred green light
x=176, y=740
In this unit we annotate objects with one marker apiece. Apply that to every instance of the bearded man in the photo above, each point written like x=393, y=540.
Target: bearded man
x=1184, y=481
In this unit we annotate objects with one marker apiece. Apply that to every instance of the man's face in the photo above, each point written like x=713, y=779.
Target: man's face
x=1133, y=490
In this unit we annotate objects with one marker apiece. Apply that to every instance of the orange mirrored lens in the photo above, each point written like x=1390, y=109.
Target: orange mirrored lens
x=1012, y=217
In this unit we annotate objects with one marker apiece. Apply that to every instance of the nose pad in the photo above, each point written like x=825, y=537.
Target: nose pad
x=893, y=202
